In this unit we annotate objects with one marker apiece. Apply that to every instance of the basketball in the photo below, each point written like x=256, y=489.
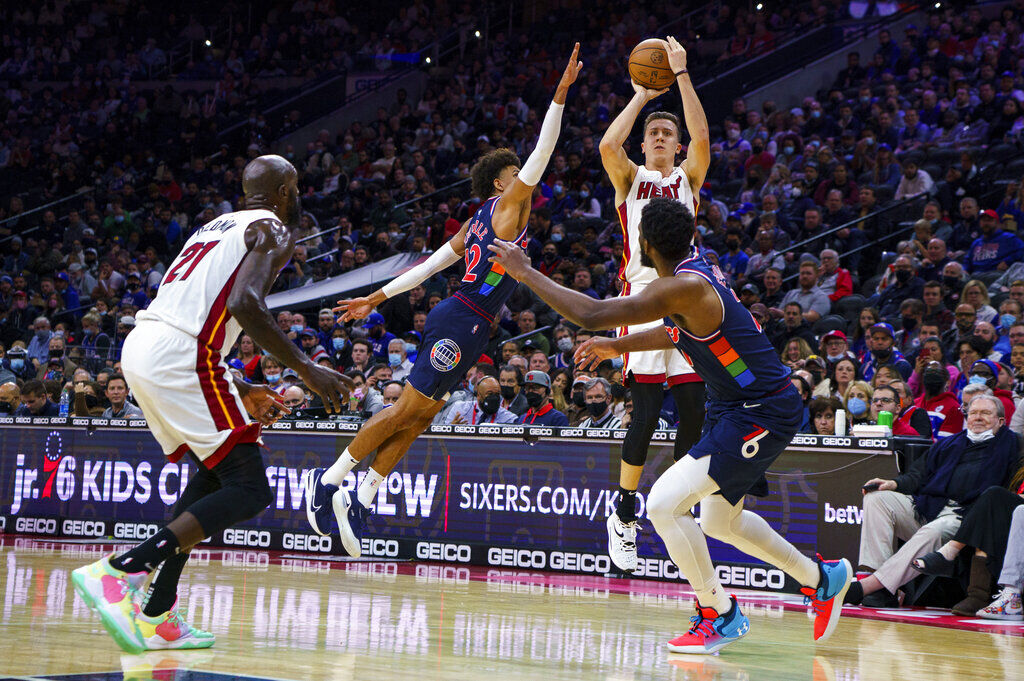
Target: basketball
x=648, y=65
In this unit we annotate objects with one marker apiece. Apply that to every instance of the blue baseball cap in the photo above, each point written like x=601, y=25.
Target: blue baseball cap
x=882, y=326
x=375, y=319
x=989, y=363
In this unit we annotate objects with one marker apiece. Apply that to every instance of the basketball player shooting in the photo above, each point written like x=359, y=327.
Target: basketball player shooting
x=457, y=329
x=646, y=372
x=753, y=412
x=173, y=363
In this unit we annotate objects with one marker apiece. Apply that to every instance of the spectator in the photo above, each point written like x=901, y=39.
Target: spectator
x=565, y=345
x=814, y=303
x=527, y=321
x=117, y=394
x=379, y=337
x=914, y=182
x=908, y=338
x=765, y=257
x=362, y=354
x=924, y=506
x=390, y=394
x=857, y=401
x=35, y=401
x=17, y=363
x=398, y=360
x=823, y=412
x=10, y=399
x=833, y=280
x=273, y=373
x=773, y=293
x=941, y=405
x=841, y=375
x=907, y=285
x=513, y=398
x=976, y=295
x=484, y=408
x=881, y=351
x=39, y=347
x=909, y=419
x=294, y=398
x=986, y=372
x=994, y=249
x=309, y=342
x=537, y=388
x=599, y=406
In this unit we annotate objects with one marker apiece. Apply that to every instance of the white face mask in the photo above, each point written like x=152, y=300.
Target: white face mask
x=980, y=437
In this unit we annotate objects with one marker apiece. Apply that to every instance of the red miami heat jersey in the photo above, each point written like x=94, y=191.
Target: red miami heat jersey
x=647, y=185
x=193, y=294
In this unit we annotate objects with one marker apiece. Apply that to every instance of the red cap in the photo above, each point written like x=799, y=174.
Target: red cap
x=989, y=213
x=835, y=334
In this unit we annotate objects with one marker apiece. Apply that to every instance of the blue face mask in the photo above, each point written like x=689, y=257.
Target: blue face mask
x=410, y=348
x=395, y=359
x=557, y=236
x=617, y=362
x=584, y=193
x=17, y=364
x=297, y=328
x=977, y=380
x=338, y=342
x=272, y=378
x=1007, y=320
x=857, y=406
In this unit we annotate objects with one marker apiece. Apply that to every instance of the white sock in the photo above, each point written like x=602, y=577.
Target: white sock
x=368, y=487
x=949, y=552
x=335, y=475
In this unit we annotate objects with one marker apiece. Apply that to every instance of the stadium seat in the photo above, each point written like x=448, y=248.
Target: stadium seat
x=850, y=306
x=987, y=278
x=1001, y=152
x=832, y=322
x=868, y=289
x=888, y=257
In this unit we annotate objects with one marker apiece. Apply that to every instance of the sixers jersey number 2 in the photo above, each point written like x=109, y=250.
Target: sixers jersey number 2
x=486, y=285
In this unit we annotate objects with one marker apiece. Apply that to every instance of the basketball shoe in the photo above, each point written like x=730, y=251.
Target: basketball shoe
x=114, y=596
x=1006, y=606
x=622, y=543
x=827, y=598
x=351, y=516
x=170, y=631
x=710, y=631
x=318, y=500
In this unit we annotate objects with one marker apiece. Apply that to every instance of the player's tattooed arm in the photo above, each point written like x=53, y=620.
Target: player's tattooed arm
x=271, y=247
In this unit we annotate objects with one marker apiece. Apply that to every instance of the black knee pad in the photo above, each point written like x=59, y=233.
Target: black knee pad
x=689, y=399
x=647, y=400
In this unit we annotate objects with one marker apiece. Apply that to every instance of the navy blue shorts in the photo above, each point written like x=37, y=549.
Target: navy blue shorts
x=743, y=439
x=454, y=337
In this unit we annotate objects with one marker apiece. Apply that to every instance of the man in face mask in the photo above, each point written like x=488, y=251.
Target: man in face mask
x=942, y=406
x=881, y=351
x=39, y=347
x=398, y=360
x=549, y=259
x=16, y=360
x=537, y=389
x=484, y=408
x=10, y=399
x=907, y=285
x=565, y=346
x=513, y=398
x=986, y=372
x=928, y=500
x=911, y=314
x=598, y=402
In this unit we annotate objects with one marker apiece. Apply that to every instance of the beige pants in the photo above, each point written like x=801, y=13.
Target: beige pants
x=889, y=516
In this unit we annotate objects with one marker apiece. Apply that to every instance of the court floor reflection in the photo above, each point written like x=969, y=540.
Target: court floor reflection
x=296, y=618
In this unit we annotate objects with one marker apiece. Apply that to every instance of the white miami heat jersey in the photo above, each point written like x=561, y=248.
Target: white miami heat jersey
x=647, y=185
x=193, y=294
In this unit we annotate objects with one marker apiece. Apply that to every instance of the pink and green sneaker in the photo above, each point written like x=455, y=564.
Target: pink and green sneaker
x=114, y=596
x=170, y=631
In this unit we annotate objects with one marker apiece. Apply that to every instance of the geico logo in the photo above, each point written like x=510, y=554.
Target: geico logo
x=516, y=557
x=489, y=430
x=428, y=550
x=465, y=429
x=836, y=441
x=512, y=430
x=325, y=425
x=442, y=573
x=873, y=443
x=245, y=559
x=599, y=433
x=572, y=432
x=305, y=425
x=84, y=528
x=540, y=431
x=579, y=562
x=440, y=429
x=759, y=578
x=803, y=440
x=380, y=547
x=36, y=525
x=657, y=567
x=306, y=542
x=135, y=530
x=247, y=538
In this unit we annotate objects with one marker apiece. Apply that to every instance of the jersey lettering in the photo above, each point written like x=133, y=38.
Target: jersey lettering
x=473, y=255
x=650, y=190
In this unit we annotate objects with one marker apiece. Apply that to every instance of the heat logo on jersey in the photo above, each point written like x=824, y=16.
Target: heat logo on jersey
x=653, y=190
x=445, y=355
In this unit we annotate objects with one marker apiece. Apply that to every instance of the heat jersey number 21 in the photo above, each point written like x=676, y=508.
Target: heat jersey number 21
x=191, y=257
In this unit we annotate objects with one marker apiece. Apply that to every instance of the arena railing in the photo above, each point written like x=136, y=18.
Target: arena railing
x=39, y=209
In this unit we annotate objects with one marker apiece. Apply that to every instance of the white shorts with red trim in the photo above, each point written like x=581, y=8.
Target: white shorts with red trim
x=186, y=393
x=655, y=366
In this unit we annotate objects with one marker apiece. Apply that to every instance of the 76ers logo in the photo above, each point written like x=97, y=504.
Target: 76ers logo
x=673, y=332
x=54, y=453
x=445, y=355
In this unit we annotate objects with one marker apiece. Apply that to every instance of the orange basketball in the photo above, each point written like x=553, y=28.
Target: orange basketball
x=648, y=65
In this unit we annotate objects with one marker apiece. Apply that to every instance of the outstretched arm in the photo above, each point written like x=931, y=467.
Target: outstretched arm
x=597, y=349
x=443, y=258
x=530, y=174
x=698, y=153
x=653, y=303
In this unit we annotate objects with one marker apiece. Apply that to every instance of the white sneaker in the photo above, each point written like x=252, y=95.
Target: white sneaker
x=1006, y=606
x=622, y=543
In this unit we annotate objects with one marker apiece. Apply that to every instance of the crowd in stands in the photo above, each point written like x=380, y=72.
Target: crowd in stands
x=915, y=310
x=918, y=118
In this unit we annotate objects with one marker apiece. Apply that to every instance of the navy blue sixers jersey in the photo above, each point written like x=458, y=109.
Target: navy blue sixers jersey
x=736, y=362
x=486, y=286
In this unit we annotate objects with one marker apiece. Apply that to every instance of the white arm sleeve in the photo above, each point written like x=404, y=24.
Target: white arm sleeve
x=440, y=259
x=531, y=171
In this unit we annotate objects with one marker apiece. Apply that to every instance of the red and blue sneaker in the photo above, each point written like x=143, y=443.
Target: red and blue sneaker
x=710, y=631
x=827, y=598
x=319, y=511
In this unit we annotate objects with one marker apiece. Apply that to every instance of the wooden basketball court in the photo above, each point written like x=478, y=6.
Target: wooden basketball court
x=289, y=617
